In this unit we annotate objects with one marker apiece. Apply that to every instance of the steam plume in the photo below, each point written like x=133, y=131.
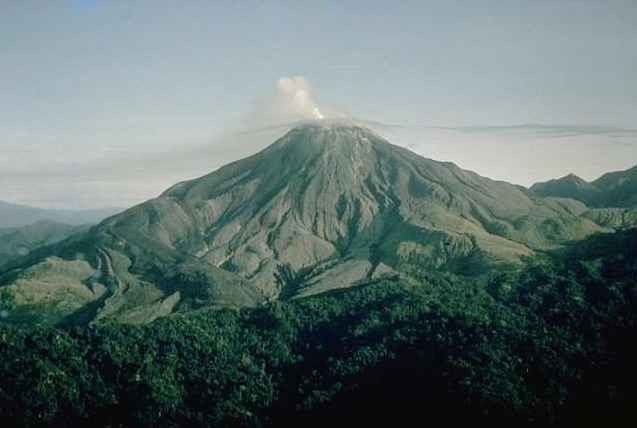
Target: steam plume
x=293, y=100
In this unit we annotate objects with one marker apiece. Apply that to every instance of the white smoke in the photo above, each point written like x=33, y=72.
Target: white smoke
x=293, y=100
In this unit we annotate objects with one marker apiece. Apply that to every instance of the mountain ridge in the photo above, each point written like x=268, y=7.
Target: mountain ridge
x=617, y=189
x=16, y=215
x=19, y=241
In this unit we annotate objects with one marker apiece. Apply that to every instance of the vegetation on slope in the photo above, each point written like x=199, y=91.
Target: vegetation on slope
x=551, y=343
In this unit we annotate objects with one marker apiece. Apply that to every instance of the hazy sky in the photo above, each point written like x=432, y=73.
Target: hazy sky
x=109, y=102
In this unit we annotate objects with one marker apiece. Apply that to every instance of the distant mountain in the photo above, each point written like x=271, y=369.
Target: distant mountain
x=569, y=186
x=612, y=190
x=12, y=215
x=612, y=198
x=17, y=242
x=329, y=205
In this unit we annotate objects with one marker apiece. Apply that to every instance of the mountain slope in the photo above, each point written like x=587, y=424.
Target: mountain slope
x=326, y=206
x=12, y=215
x=550, y=345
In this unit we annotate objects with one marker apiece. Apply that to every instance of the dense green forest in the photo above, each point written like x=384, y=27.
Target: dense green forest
x=552, y=343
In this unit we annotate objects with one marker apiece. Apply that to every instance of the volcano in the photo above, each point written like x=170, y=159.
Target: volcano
x=329, y=205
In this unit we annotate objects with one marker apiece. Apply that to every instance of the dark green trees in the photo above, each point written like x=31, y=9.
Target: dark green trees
x=550, y=344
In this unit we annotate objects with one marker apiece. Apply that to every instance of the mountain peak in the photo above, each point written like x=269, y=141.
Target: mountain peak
x=573, y=179
x=572, y=176
x=569, y=186
x=337, y=141
x=340, y=125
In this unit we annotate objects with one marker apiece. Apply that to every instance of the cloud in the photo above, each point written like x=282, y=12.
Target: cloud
x=343, y=67
x=549, y=130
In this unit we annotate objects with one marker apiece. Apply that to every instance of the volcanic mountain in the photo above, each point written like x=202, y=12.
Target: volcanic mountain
x=328, y=205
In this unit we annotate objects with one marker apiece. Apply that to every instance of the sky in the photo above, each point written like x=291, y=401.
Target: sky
x=107, y=103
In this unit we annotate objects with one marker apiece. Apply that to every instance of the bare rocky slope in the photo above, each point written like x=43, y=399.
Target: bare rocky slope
x=326, y=206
